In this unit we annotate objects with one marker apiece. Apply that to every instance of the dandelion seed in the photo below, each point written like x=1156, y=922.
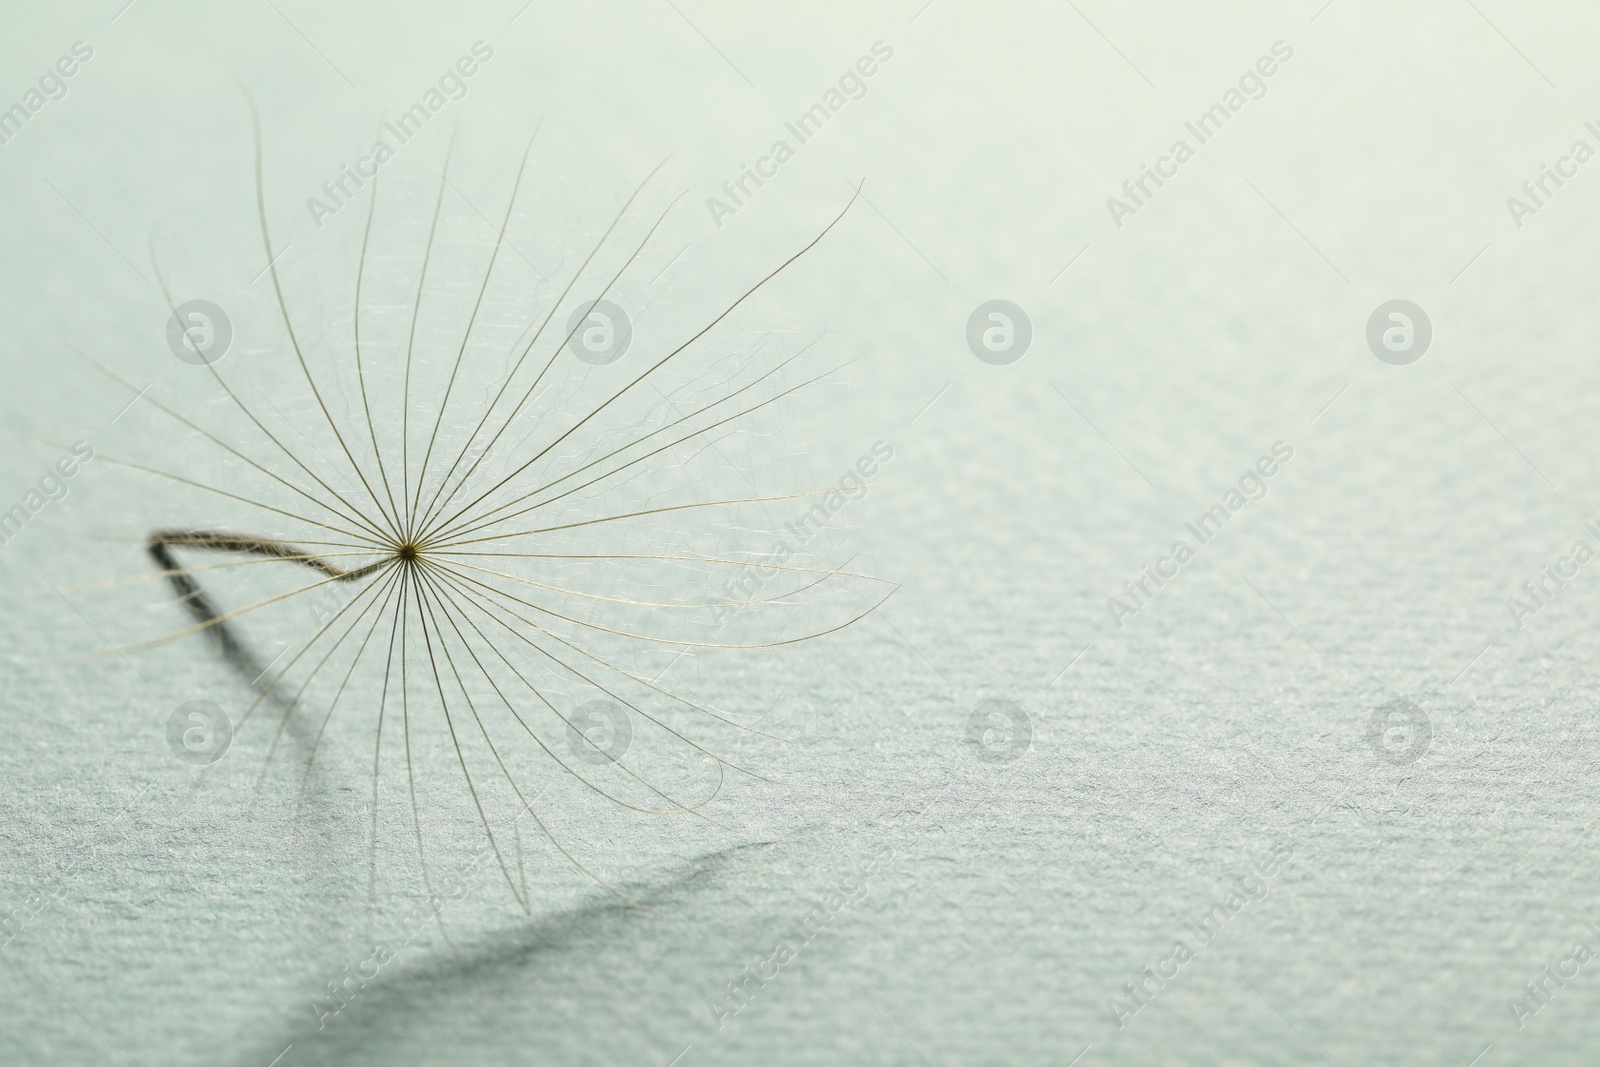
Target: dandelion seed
x=503, y=566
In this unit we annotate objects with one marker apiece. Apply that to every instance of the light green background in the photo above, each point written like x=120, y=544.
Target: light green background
x=191, y=925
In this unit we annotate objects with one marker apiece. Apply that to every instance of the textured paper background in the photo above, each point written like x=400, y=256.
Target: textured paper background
x=1168, y=757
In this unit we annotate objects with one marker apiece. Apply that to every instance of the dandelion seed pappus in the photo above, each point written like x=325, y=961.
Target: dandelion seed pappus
x=491, y=551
